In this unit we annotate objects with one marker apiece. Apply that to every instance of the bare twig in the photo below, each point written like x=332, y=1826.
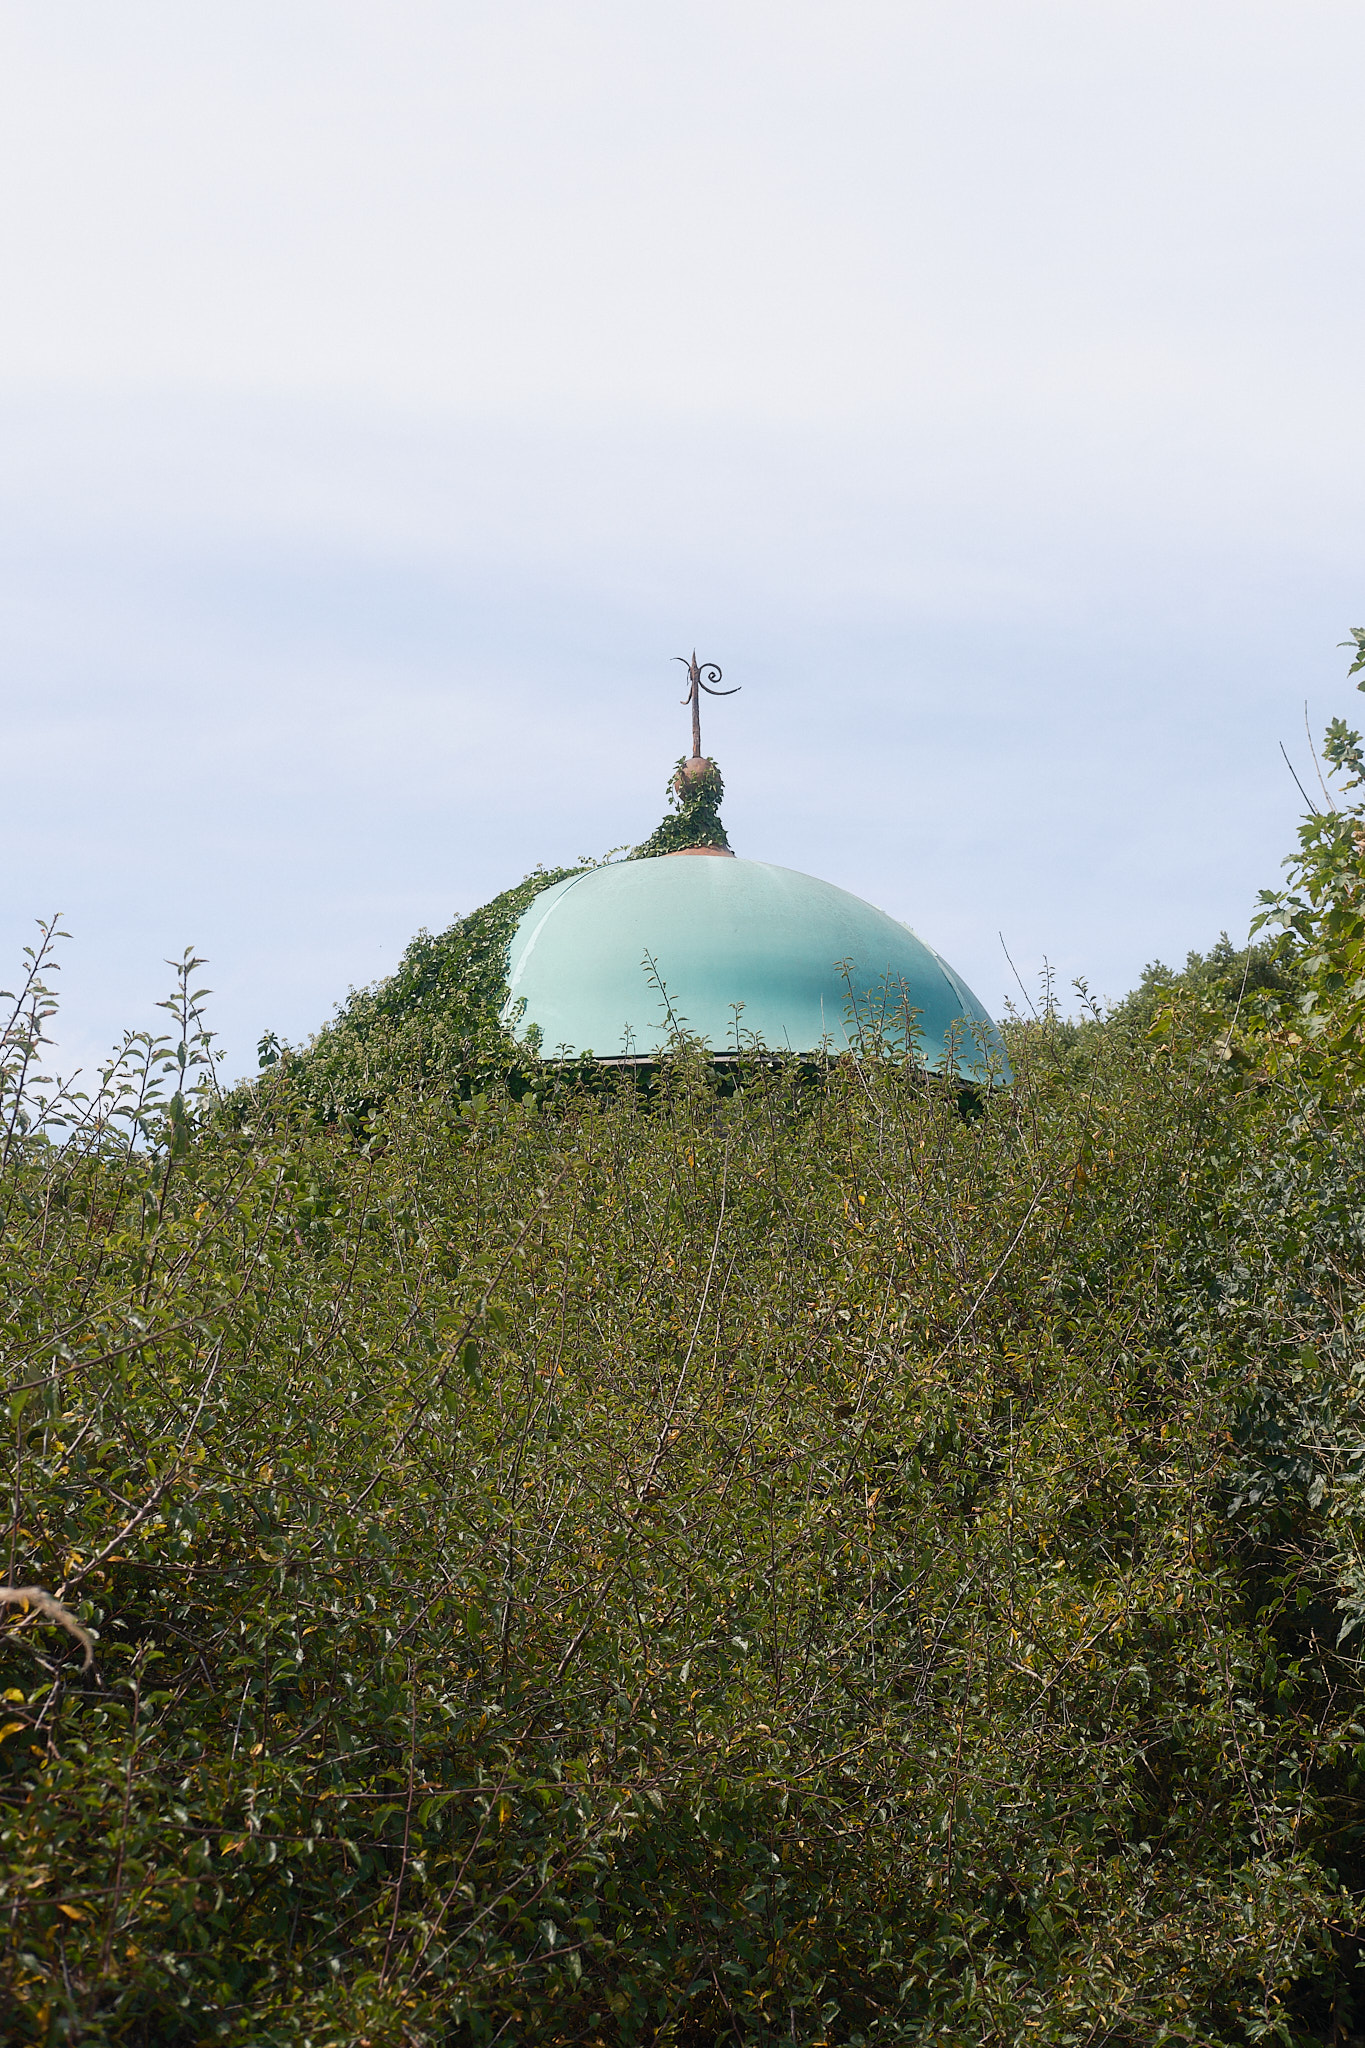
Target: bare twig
x=1015, y=972
x=1294, y=772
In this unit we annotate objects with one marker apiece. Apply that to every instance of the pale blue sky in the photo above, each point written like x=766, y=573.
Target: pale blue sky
x=386, y=393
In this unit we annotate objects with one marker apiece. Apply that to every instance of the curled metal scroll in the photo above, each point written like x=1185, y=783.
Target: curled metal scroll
x=697, y=673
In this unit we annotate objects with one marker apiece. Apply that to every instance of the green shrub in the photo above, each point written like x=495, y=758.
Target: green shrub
x=776, y=1566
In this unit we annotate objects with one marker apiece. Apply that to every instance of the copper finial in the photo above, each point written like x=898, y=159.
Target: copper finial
x=696, y=678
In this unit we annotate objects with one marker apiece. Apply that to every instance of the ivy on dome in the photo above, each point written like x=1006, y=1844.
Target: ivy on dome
x=695, y=790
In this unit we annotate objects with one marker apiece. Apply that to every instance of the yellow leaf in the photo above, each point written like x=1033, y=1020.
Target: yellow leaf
x=11, y=1728
x=15, y=1695
x=70, y=1912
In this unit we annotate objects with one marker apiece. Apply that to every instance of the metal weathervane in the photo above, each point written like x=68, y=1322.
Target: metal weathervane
x=696, y=677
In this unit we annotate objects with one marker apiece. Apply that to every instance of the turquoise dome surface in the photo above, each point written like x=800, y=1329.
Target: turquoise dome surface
x=717, y=932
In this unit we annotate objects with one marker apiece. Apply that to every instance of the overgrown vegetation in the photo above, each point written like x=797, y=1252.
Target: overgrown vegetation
x=790, y=1565
x=1322, y=912
x=1228, y=979
x=438, y=1021
x=695, y=795
x=435, y=1023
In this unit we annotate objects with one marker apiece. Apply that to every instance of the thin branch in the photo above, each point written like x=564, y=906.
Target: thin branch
x=1015, y=972
x=1302, y=791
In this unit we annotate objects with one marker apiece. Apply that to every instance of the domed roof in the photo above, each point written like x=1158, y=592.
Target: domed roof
x=610, y=961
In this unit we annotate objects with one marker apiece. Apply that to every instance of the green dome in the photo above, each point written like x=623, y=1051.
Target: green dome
x=719, y=932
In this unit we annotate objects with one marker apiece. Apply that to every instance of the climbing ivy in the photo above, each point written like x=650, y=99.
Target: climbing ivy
x=436, y=1021
x=694, y=817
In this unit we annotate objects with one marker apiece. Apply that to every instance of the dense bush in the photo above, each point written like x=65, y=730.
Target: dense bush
x=1233, y=979
x=792, y=1565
